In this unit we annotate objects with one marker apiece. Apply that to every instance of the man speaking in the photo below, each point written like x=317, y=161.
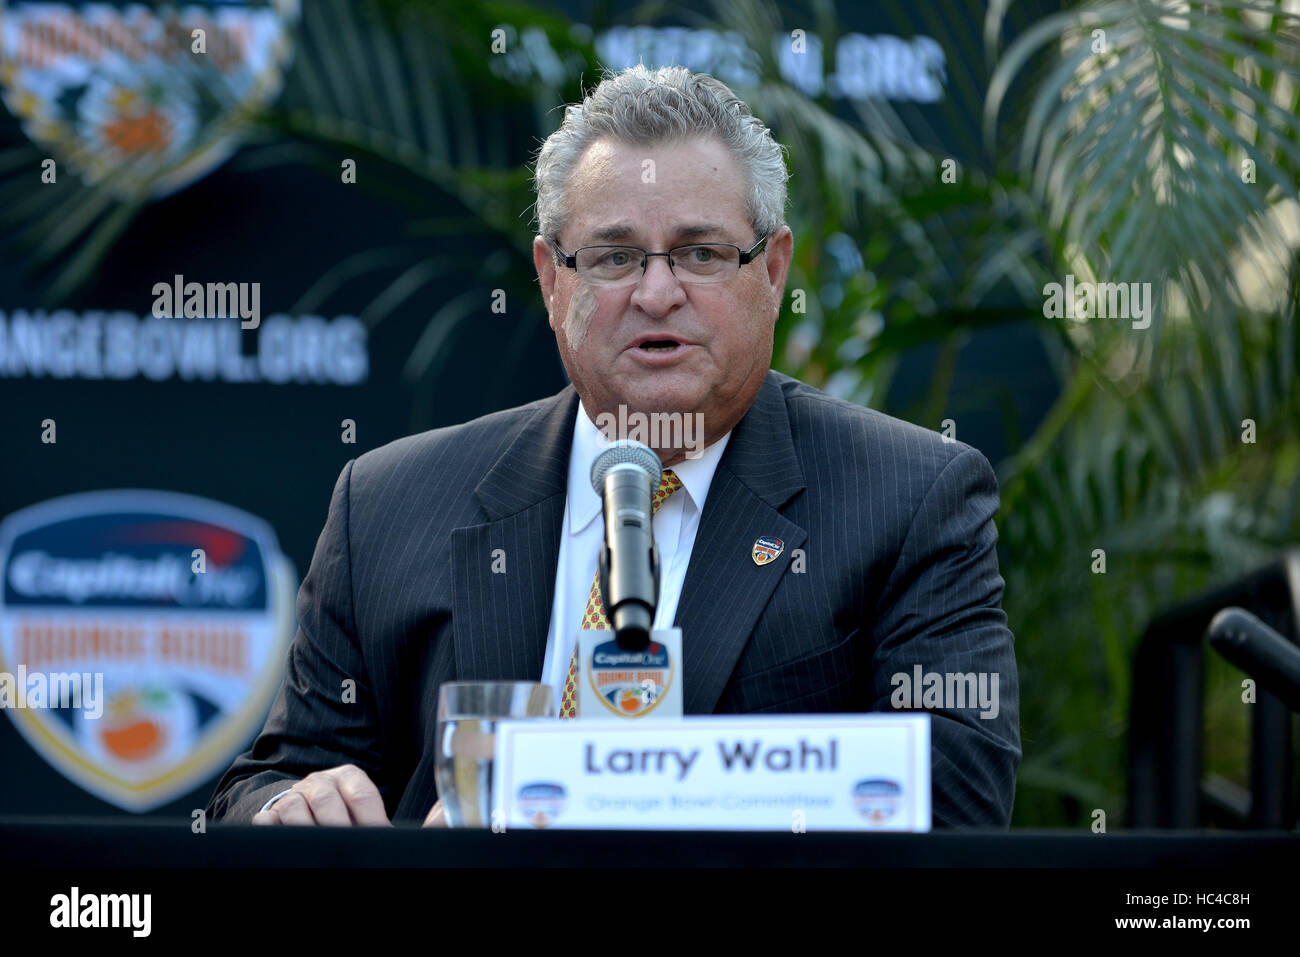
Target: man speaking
x=812, y=551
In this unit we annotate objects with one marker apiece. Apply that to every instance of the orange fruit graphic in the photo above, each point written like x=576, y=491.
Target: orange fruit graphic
x=140, y=134
x=135, y=741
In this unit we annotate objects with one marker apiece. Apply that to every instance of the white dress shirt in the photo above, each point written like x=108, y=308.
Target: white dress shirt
x=583, y=532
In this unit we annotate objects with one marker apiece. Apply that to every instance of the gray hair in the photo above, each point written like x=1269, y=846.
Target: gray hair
x=642, y=107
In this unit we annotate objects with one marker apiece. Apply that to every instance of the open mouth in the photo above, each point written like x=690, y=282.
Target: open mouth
x=659, y=345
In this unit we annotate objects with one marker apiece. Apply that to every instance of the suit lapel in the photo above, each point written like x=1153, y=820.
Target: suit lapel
x=500, y=619
x=725, y=591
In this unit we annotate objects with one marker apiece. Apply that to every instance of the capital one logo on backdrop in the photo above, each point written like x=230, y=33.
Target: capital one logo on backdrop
x=183, y=609
x=133, y=95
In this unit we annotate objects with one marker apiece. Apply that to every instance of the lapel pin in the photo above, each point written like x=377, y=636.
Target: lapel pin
x=766, y=549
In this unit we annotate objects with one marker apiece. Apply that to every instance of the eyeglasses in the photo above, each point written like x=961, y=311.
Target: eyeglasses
x=625, y=265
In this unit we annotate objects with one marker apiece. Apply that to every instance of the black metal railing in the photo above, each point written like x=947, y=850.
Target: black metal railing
x=1166, y=716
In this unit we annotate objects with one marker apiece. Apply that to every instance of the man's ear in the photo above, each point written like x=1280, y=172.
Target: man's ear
x=778, y=252
x=544, y=263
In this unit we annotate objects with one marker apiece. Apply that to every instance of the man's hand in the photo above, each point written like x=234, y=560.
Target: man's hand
x=437, y=816
x=339, y=796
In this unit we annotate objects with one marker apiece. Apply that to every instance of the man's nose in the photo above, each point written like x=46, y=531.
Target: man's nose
x=658, y=288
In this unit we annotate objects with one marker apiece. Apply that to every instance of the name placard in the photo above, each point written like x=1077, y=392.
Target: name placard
x=717, y=772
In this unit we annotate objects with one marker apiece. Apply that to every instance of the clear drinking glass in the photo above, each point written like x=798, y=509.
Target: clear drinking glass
x=467, y=715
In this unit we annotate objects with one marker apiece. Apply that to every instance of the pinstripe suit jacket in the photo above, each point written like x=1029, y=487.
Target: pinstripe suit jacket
x=893, y=529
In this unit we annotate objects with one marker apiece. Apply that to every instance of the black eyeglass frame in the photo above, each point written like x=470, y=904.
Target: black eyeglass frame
x=746, y=255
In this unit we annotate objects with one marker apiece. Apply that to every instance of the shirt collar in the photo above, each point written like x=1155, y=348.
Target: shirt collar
x=696, y=475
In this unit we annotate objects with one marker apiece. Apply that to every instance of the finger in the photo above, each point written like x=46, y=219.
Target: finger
x=360, y=795
x=266, y=817
x=293, y=808
x=322, y=794
x=437, y=816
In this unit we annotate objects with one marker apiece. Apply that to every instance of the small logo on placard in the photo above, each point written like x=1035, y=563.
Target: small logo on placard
x=630, y=683
x=541, y=802
x=767, y=549
x=877, y=799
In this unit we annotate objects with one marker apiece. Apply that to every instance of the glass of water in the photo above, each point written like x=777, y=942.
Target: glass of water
x=468, y=712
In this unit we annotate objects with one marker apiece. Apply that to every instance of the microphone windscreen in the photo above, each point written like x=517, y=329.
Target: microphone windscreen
x=625, y=451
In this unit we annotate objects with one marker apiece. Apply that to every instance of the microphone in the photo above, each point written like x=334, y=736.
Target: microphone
x=625, y=476
x=1258, y=650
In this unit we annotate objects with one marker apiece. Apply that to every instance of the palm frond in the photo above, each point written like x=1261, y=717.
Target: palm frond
x=1135, y=141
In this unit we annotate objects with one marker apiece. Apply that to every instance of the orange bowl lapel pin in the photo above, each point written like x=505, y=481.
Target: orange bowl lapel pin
x=766, y=549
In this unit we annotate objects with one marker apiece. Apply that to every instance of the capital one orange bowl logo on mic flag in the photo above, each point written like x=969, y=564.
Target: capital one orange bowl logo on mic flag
x=630, y=683
x=142, y=98
x=172, y=613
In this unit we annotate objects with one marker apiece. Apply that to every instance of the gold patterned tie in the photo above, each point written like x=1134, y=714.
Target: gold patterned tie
x=594, y=617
